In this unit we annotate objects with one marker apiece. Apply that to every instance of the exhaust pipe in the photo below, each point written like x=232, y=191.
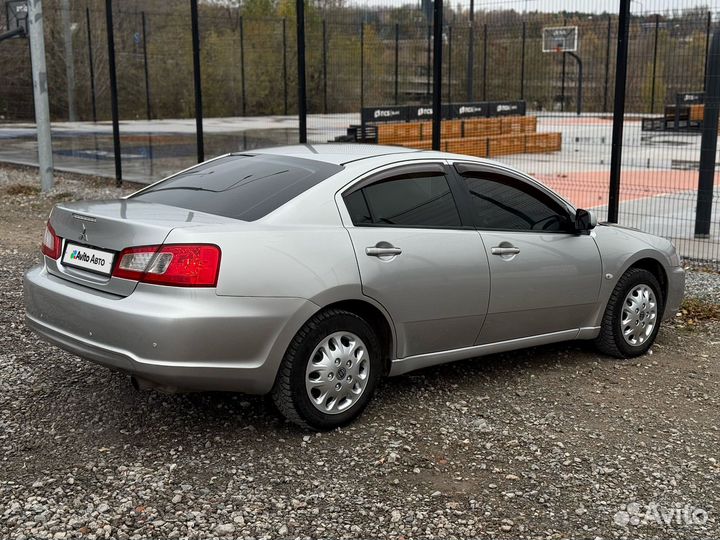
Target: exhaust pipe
x=141, y=385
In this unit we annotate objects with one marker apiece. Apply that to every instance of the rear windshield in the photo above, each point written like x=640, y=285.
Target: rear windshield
x=246, y=187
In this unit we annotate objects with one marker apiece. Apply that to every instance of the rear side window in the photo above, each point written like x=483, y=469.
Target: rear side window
x=410, y=200
x=245, y=187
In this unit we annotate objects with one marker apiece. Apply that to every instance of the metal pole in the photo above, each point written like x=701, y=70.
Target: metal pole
x=579, y=82
x=242, y=67
x=429, y=65
x=145, y=66
x=437, y=73
x=469, y=91
x=285, y=81
x=619, y=110
x=198, y=81
x=397, y=60
x=324, y=61
x=449, y=84
x=113, y=92
x=708, y=145
x=40, y=93
x=707, y=46
x=562, y=78
x=654, y=68
x=69, y=60
x=362, y=65
x=302, y=97
x=91, y=65
x=522, y=61
x=485, y=55
x=607, y=65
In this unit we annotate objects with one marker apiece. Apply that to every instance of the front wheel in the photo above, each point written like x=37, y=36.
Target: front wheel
x=329, y=371
x=632, y=316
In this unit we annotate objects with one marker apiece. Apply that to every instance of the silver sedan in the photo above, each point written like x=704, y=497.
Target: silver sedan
x=310, y=272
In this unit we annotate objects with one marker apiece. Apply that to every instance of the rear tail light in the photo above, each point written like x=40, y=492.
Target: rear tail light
x=180, y=265
x=51, y=242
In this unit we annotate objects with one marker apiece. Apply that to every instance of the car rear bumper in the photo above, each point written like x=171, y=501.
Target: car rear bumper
x=189, y=339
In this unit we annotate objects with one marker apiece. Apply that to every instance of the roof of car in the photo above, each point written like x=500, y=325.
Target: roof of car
x=337, y=153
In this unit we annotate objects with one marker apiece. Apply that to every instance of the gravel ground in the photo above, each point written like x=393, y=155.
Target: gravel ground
x=552, y=442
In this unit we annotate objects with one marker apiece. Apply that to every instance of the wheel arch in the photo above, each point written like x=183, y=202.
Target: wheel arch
x=656, y=268
x=377, y=318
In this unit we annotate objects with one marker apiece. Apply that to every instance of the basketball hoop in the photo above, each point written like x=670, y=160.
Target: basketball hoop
x=559, y=39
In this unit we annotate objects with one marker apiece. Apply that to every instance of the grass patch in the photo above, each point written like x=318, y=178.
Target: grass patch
x=695, y=310
x=22, y=189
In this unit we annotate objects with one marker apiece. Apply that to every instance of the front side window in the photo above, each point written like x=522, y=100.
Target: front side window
x=503, y=203
x=408, y=200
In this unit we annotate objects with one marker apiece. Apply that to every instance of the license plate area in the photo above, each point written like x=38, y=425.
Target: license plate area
x=90, y=259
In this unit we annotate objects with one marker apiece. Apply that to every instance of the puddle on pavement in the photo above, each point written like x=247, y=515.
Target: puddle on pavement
x=146, y=157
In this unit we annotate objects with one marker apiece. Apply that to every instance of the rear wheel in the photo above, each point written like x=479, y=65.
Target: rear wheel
x=632, y=316
x=329, y=371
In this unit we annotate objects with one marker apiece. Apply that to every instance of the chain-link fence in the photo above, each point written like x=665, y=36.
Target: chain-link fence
x=370, y=78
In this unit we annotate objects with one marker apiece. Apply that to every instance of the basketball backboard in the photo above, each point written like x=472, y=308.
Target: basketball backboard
x=560, y=39
x=17, y=14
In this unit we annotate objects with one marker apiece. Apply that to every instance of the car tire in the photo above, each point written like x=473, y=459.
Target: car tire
x=313, y=373
x=632, y=316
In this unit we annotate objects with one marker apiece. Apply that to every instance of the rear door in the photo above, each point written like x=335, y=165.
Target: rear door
x=417, y=257
x=544, y=278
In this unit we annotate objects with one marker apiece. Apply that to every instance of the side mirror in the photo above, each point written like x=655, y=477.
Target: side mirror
x=585, y=220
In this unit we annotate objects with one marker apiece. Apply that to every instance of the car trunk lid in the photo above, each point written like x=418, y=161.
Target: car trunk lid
x=107, y=227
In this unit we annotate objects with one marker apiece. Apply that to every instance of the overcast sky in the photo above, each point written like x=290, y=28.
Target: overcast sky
x=589, y=6
x=597, y=6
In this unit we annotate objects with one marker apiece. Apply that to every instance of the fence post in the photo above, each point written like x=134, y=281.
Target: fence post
x=708, y=145
x=145, y=65
x=113, y=92
x=429, y=66
x=449, y=98
x=471, y=55
x=324, y=61
x=242, y=67
x=197, y=80
x=607, y=65
x=91, y=64
x=654, y=68
x=707, y=47
x=522, y=62
x=562, y=78
x=397, y=60
x=302, y=91
x=437, y=73
x=485, y=56
x=618, y=110
x=285, y=84
x=362, y=65
x=69, y=60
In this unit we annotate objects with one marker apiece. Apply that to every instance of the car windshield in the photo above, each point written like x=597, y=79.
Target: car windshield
x=240, y=186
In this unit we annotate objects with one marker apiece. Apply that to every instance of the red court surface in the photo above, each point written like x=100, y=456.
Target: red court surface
x=590, y=189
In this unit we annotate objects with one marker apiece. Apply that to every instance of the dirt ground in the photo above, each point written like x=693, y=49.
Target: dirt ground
x=551, y=442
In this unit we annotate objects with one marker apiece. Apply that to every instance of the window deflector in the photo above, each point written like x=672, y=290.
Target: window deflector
x=430, y=169
x=463, y=168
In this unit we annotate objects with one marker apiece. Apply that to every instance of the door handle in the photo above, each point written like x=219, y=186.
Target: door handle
x=504, y=250
x=375, y=251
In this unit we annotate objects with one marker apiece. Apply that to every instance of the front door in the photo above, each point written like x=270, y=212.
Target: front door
x=544, y=278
